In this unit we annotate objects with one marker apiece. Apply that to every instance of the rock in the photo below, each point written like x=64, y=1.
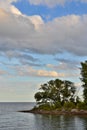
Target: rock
x=74, y=110
x=63, y=110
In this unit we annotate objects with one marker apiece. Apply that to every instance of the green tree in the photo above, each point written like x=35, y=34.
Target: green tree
x=84, y=79
x=68, y=91
x=56, y=91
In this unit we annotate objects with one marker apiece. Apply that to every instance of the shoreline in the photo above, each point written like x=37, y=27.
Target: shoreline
x=56, y=112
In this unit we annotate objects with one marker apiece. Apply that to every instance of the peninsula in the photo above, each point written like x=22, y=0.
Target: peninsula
x=60, y=97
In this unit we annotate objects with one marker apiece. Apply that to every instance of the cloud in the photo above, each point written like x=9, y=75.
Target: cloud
x=55, y=71
x=23, y=33
x=3, y=72
x=83, y=0
x=49, y=3
x=53, y=3
x=46, y=73
x=20, y=56
x=25, y=62
x=25, y=70
x=36, y=20
x=63, y=67
x=70, y=70
x=70, y=63
x=7, y=6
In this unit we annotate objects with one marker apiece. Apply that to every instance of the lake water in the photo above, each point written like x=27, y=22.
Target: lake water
x=10, y=119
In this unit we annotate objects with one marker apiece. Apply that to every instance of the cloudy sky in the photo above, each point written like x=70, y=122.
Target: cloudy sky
x=40, y=40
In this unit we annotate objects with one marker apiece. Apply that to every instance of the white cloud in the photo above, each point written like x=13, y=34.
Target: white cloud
x=36, y=20
x=46, y=73
x=52, y=3
x=15, y=10
x=6, y=5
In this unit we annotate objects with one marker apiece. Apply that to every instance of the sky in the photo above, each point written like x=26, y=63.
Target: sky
x=40, y=40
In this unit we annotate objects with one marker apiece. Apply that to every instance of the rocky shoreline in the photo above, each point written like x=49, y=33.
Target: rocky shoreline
x=57, y=112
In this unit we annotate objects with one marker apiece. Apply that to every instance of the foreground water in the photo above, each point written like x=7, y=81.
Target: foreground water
x=10, y=119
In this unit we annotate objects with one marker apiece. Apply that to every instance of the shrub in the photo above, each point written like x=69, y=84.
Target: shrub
x=69, y=105
x=57, y=105
x=47, y=107
x=82, y=105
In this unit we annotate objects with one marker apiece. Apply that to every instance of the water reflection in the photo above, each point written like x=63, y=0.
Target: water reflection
x=50, y=122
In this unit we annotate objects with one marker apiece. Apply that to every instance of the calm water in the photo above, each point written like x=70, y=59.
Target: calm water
x=10, y=119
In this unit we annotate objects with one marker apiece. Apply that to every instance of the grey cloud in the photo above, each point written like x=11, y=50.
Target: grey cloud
x=20, y=56
x=53, y=3
x=29, y=71
x=68, y=61
x=19, y=32
x=69, y=70
x=23, y=58
x=24, y=62
x=3, y=72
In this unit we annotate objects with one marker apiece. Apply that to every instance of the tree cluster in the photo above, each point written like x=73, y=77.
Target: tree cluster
x=63, y=92
x=56, y=91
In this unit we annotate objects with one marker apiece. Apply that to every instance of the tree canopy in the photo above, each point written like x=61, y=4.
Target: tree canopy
x=84, y=79
x=56, y=91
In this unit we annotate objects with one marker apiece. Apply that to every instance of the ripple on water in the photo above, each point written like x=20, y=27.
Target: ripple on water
x=10, y=119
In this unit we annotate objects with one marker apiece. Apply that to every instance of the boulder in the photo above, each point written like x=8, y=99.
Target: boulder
x=74, y=110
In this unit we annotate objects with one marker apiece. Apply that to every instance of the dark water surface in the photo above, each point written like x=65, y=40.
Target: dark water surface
x=10, y=119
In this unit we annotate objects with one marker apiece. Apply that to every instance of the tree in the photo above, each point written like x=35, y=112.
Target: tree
x=56, y=91
x=84, y=79
x=68, y=91
x=59, y=86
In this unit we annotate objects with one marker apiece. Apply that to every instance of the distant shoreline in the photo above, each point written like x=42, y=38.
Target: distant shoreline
x=57, y=112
